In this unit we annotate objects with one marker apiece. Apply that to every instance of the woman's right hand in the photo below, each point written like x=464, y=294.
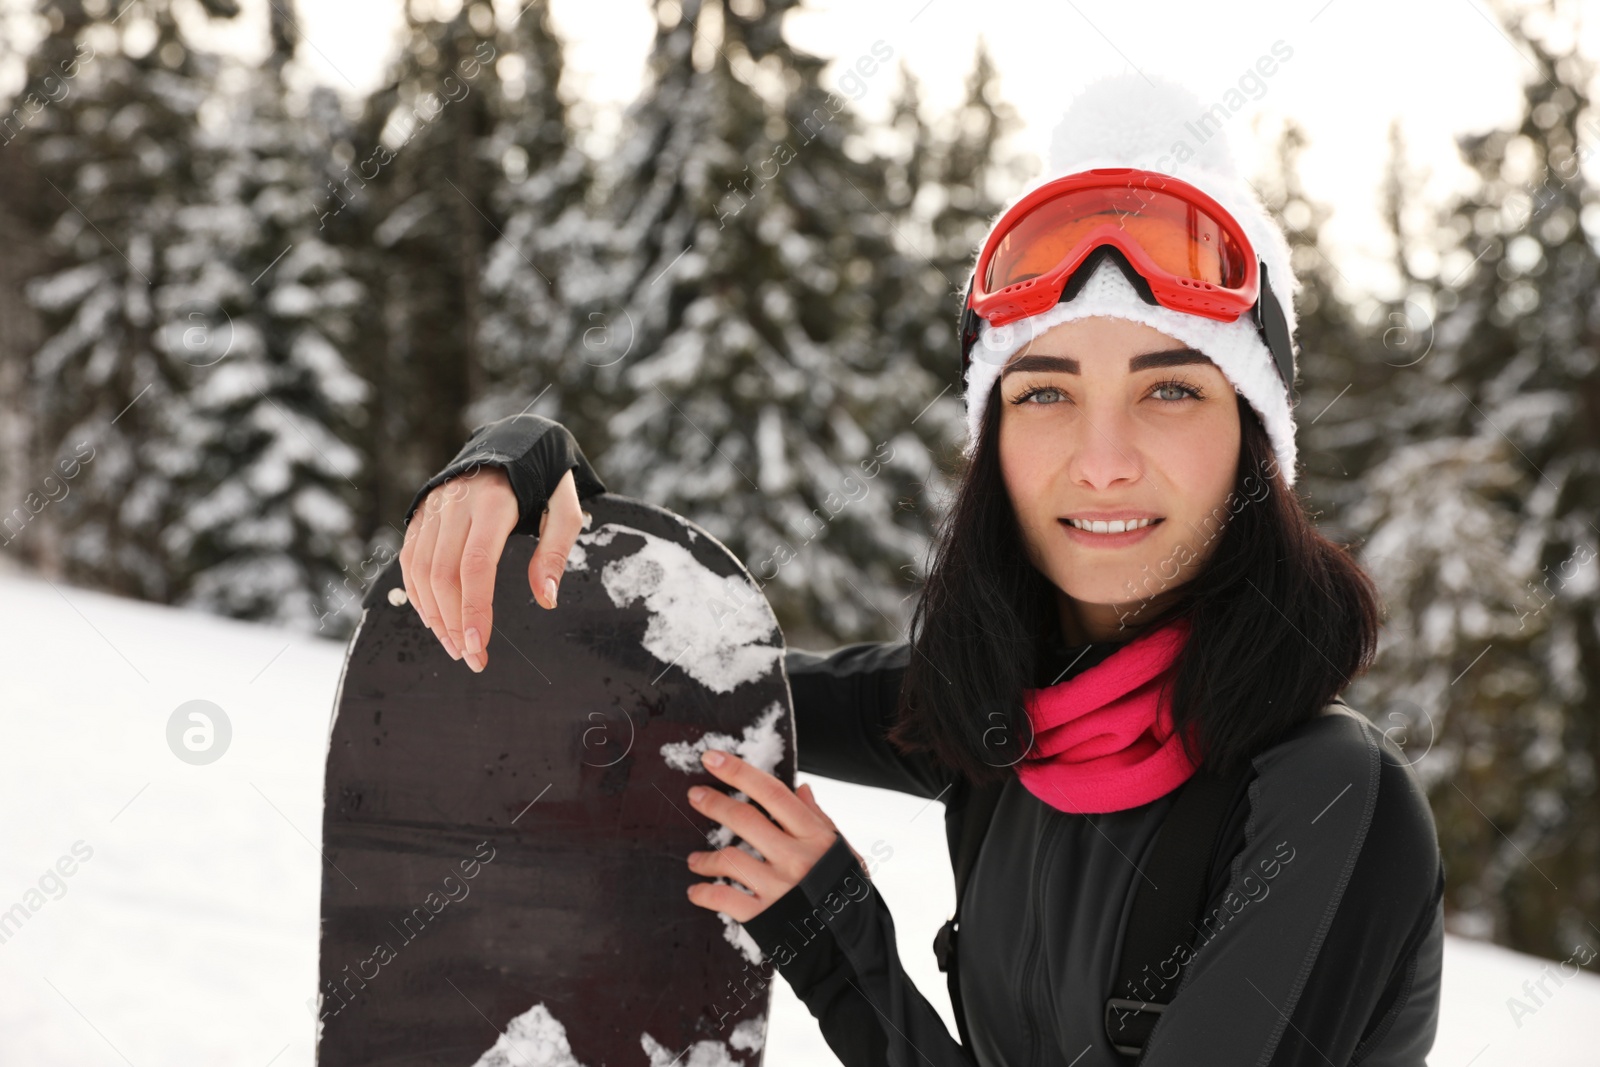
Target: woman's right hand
x=452, y=553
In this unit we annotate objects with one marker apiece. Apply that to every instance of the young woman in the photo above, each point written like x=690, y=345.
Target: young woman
x=1126, y=595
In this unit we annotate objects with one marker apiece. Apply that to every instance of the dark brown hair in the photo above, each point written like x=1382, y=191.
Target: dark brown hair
x=1282, y=619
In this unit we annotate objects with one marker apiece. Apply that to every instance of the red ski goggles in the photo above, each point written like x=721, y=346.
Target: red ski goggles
x=1176, y=245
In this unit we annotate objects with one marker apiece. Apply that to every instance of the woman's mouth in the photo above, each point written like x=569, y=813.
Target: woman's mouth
x=1109, y=533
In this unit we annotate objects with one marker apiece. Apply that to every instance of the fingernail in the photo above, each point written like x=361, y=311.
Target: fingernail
x=450, y=647
x=550, y=591
x=712, y=758
x=696, y=793
x=474, y=641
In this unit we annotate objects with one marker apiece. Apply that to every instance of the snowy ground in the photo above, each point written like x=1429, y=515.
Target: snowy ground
x=186, y=931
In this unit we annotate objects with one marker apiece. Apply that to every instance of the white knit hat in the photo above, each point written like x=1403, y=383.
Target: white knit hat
x=1126, y=121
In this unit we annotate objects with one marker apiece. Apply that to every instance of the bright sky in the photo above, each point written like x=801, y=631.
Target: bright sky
x=1442, y=66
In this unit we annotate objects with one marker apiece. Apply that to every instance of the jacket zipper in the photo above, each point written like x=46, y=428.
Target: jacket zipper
x=1035, y=930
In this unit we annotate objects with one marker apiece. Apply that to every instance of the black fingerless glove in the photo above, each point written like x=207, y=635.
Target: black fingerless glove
x=535, y=453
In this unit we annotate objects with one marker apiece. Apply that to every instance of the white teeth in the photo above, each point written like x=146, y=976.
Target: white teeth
x=1114, y=526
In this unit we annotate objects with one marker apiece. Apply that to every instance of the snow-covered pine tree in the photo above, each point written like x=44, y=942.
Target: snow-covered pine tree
x=911, y=291
x=1482, y=523
x=1346, y=366
x=761, y=400
x=416, y=204
x=267, y=476
x=971, y=173
x=914, y=309
x=974, y=169
x=947, y=180
x=28, y=209
x=546, y=330
x=119, y=154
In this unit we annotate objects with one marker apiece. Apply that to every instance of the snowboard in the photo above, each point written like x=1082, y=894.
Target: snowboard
x=504, y=877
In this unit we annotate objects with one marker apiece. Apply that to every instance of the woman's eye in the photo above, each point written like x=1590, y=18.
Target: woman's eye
x=1053, y=394
x=1176, y=391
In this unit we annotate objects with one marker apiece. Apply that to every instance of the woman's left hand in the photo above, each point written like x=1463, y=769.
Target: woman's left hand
x=787, y=851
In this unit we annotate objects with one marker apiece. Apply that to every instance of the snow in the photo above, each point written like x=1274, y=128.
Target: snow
x=186, y=932
x=706, y=1053
x=533, y=1039
x=750, y=1034
x=732, y=932
x=715, y=647
x=761, y=745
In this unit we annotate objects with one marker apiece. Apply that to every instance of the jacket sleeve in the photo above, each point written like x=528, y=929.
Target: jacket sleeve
x=844, y=704
x=1326, y=946
x=832, y=939
x=535, y=453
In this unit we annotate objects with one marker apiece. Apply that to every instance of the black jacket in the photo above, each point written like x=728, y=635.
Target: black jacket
x=1323, y=934
x=1323, y=944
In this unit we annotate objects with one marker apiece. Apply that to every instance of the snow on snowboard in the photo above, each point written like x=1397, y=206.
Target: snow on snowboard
x=505, y=852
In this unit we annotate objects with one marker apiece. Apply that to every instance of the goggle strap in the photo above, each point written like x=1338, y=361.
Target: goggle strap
x=971, y=323
x=1274, y=329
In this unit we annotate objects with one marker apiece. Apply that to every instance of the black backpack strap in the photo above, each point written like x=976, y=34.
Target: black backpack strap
x=1168, y=899
x=976, y=813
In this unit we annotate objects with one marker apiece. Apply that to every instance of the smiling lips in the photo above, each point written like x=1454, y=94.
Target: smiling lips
x=1109, y=529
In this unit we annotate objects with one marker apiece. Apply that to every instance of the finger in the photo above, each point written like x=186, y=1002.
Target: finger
x=808, y=795
x=735, y=863
x=765, y=789
x=786, y=850
x=427, y=523
x=805, y=794
x=409, y=549
x=730, y=900
x=480, y=562
x=558, y=532
x=445, y=573
x=745, y=822
x=407, y=566
x=491, y=509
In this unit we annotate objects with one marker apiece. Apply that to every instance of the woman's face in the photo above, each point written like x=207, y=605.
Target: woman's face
x=1104, y=418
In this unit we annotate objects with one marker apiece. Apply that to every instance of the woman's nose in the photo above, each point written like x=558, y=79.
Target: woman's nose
x=1104, y=450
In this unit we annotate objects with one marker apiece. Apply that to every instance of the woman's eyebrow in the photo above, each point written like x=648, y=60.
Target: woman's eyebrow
x=1175, y=357
x=1041, y=363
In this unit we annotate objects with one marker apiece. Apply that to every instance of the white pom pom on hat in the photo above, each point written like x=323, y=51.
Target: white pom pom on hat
x=1157, y=124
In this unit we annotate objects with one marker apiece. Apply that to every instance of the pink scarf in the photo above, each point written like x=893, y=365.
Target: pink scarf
x=1103, y=739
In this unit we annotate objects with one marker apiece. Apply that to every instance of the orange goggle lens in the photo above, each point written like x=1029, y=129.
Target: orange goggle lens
x=1182, y=239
